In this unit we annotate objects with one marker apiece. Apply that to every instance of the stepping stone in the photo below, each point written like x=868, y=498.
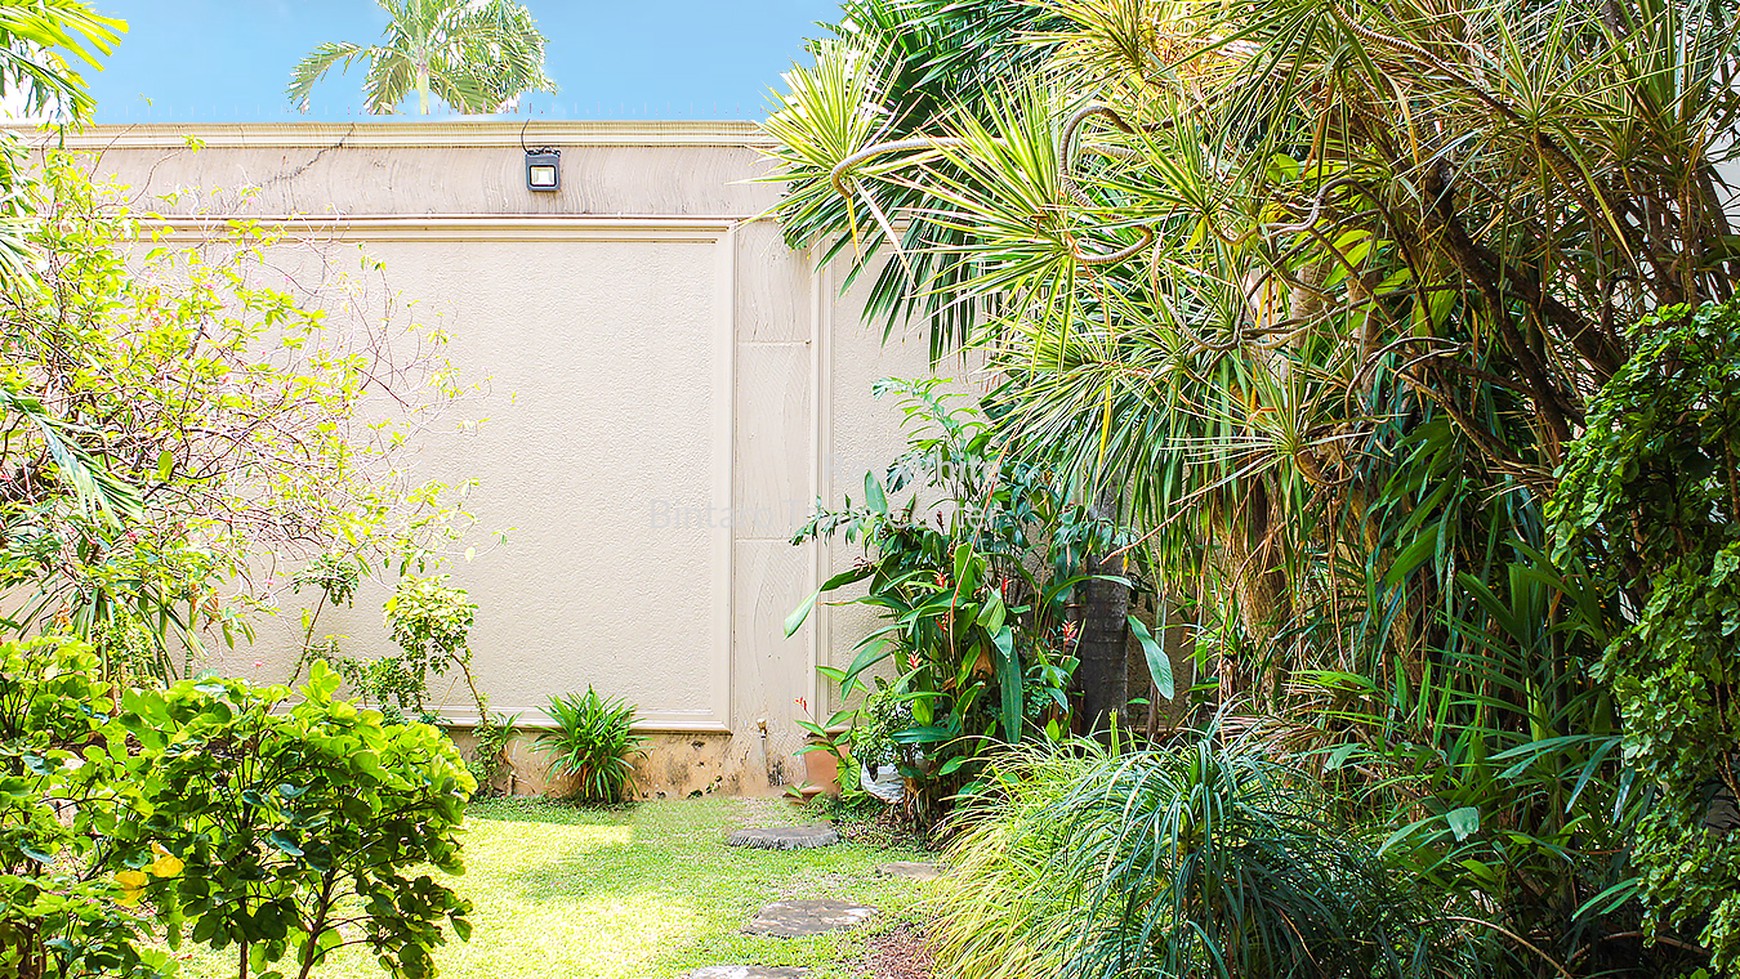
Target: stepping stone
x=785, y=837
x=910, y=869
x=799, y=919
x=747, y=972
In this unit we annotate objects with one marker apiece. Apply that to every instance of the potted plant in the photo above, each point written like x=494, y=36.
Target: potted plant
x=823, y=753
x=880, y=757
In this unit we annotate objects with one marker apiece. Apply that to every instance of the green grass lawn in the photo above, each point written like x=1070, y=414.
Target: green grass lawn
x=647, y=892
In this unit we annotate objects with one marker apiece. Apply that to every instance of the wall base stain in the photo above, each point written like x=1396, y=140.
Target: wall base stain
x=673, y=766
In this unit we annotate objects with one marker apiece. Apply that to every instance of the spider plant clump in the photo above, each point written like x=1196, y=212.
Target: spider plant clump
x=592, y=744
x=1206, y=857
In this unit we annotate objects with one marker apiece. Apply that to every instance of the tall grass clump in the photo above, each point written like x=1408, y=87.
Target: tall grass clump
x=1003, y=910
x=1205, y=857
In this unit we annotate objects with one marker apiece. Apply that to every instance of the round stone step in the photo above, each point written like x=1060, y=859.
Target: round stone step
x=747, y=972
x=800, y=919
x=911, y=869
x=785, y=837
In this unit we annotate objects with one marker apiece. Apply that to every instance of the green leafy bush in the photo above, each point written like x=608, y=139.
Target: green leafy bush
x=216, y=811
x=592, y=744
x=302, y=825
x=489, y=759
x=431, y=622
x=1651, y=492
x=68, y=897
x=882, y=725
x=1204, y=858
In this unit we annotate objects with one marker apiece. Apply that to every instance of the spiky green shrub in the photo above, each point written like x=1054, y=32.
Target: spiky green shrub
x=1205, y=858
x=592, y=744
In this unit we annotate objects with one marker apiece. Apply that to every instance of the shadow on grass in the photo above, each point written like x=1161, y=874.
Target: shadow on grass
x=562, y=812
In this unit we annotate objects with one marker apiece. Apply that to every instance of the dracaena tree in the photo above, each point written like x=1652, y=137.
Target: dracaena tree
x=1319, y=294
x=477, y=56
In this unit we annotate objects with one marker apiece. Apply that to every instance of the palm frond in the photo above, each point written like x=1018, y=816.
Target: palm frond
x=314, y=66
x=36, y=41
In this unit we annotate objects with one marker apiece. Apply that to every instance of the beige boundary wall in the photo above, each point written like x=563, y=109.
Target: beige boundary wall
x=670, y=388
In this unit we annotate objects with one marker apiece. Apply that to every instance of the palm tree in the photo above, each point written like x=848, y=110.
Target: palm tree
x=477, y=56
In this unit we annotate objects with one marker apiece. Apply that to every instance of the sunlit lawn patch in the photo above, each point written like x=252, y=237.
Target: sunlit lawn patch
x=645, y=892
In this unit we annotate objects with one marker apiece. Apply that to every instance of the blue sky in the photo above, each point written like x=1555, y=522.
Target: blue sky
x=228, y=60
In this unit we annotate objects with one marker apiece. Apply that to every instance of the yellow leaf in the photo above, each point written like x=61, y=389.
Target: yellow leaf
x=132, y=886
x=166, y=866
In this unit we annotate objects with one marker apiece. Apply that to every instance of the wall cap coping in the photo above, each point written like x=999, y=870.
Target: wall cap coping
x=437, y=133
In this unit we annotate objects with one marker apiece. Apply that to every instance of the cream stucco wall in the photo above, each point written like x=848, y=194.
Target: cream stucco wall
x=669, y=389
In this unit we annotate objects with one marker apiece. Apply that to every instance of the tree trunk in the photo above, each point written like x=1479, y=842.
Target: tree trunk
x=1103, y=675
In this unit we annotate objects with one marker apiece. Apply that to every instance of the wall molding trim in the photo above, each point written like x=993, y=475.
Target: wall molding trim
x=718, y=234
x=455, y=227
x=538, y=719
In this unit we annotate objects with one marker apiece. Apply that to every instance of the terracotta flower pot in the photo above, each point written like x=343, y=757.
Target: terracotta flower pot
x=822, y=769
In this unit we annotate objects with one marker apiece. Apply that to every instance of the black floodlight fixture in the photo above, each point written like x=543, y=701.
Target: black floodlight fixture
x=544, y=170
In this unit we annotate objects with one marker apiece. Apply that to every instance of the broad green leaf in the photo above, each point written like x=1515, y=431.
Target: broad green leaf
x=284, y=843
x=1159, y=664
x=926, y=734
x=870, y=655
x=874, y=497
x=994, y=612
x=1009, y=682
x=953, y=765
x=966, y=570
x=795, y=620
x=1464, y=822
